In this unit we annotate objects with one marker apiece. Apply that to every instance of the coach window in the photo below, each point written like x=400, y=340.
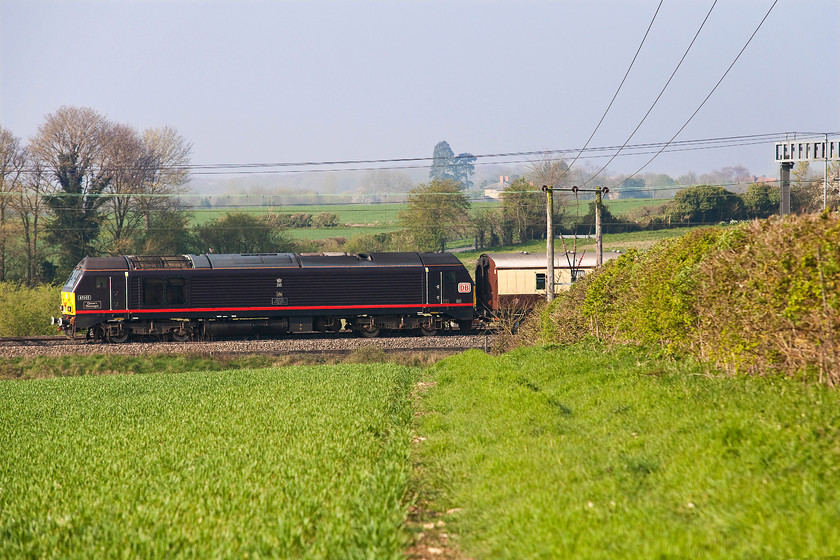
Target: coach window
x=541, y=280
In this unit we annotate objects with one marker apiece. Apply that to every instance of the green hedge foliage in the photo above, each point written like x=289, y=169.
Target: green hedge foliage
x=27, y=311
x=763, y=297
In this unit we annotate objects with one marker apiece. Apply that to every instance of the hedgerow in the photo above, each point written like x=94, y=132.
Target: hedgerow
x=27, y=311
x=758, y=298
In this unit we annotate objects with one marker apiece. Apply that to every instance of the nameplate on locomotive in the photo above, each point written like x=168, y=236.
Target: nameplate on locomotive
x=93, y=305
x=279, y=301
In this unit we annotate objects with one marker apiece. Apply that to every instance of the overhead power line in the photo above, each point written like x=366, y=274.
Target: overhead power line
x=615, y=95
x=658, y=97
x=760, y=24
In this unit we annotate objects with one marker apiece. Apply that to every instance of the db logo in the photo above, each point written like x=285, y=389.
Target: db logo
x=464, y=287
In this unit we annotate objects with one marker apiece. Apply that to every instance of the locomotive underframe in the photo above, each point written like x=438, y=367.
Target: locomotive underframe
x=120, y=330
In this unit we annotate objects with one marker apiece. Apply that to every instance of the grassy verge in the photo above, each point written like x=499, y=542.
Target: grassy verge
x=292, y=462
x=575, y=453
x=46, y=367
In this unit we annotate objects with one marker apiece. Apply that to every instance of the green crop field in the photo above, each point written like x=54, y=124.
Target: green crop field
x=283, y=462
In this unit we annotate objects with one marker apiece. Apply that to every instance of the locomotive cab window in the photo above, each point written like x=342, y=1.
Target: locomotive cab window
x=101, y=281
x=159, y=292
x=71, y=282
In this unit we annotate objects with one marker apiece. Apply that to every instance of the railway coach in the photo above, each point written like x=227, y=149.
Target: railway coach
x=515, y=282
x=184, y=296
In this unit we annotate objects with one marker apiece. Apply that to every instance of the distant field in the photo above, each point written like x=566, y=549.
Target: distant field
x=362, y=214
x=363, y=219
x=304, y=462
x=641, y=240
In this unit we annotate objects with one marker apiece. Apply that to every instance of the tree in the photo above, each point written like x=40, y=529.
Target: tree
x=442, y=159
x=128, y=167
x=11, y=167
x=523, y=208
x=551, y=170
x=463, y=168
x=705, y=204
x=446, y=166
x=168, y=234
x=29, y=203
x=634, y=187
x=238, y=232
x=383, y=185
x=169, y=156
x=69, y=145
x=761, y=200
x=435, y=213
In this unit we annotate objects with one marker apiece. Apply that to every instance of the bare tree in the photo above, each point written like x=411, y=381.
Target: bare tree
x=168, y=171
x=11, y=167
x=383, y=185
x=128, y=164
x=551, y=170
x=69, y=147
x=29, y=202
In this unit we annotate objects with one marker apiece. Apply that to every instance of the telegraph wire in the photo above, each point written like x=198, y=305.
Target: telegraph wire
x=744, y=48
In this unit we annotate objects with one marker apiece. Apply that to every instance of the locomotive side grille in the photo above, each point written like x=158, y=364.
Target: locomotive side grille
x=134, y=298
x=146, y=262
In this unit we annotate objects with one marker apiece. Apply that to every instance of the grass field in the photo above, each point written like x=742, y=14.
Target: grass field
x=569, y=452
x=578, y=453
x=291, y=462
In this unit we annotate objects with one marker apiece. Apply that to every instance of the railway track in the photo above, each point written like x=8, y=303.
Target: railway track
x=300, y=344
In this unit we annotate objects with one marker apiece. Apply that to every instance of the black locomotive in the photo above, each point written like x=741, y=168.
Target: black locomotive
x=186, y=296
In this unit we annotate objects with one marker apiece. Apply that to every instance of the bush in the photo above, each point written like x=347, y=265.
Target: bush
x=27, y=311
x=325, y=220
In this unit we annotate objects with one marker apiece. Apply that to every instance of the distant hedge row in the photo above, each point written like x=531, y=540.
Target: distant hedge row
x=763, y=297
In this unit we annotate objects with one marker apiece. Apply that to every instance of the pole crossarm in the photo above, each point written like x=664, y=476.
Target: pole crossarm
x=574, y=189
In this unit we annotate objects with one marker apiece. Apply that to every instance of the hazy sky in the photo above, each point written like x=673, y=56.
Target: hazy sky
x=292, y=81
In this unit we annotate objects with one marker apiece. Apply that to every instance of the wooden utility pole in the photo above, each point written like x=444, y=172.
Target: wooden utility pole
x=549, y=243
x=599, y=240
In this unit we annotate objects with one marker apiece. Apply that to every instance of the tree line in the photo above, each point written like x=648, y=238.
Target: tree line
x=82, y=179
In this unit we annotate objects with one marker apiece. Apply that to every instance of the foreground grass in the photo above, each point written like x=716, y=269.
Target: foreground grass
x=580, y=454
x=290, y=462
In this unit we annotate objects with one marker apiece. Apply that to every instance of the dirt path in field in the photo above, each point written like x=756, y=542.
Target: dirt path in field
x=430, y=538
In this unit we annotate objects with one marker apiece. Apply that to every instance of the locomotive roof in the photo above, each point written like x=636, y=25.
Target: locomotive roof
x=265, y=260
x=538, y=260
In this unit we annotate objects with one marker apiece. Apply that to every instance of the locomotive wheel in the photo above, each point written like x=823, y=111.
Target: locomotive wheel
x=120, y=337
x=428, y=331
x=368, y=331
x=97, y=332
x=465, y=326
x=180, y=335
